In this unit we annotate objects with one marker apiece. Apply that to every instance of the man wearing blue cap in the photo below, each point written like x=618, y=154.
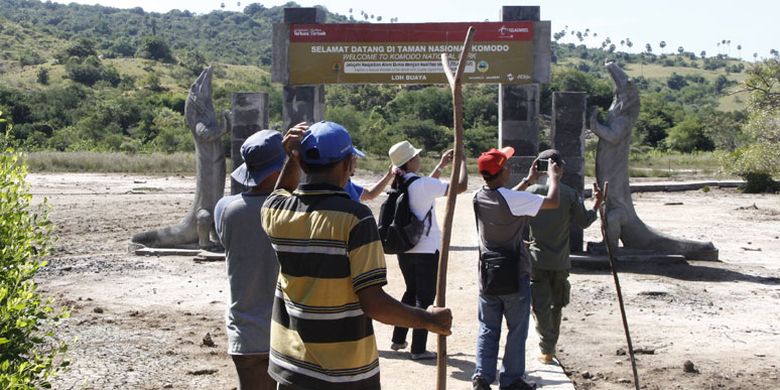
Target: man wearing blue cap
x=251, y=263
x=332, y=270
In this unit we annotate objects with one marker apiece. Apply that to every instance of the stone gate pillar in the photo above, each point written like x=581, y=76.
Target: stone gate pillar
x=250, y=115
x=300, y=103
x=518, y=124
x=568, y=137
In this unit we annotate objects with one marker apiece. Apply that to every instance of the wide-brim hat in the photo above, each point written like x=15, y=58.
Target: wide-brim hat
x=402, y=152
x=263, y=155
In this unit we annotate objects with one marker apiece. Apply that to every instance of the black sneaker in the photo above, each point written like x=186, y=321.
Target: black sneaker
x=480, y=384
x=520, y=384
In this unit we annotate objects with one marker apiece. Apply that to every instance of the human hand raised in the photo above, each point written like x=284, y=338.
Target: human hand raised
x=554, y=170
x=446, y=158
x=292, y=140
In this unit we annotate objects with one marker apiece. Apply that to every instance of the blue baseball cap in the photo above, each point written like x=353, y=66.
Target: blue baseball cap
x=326, y=143
x=263, y=155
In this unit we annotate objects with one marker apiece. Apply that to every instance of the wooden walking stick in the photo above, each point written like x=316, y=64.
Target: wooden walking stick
x=611, y=255
x=457, y=113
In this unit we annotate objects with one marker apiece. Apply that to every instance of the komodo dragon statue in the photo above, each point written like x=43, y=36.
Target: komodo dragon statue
x=198, y=225
x=612, y=166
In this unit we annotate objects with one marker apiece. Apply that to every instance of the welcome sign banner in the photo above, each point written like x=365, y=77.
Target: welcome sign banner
x=408, y=53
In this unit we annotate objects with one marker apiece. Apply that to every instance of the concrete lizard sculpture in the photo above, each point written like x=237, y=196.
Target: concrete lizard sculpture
x=197, y=227
x=612, y=165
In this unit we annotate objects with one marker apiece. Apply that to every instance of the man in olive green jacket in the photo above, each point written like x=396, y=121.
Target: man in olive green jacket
x=549, y=252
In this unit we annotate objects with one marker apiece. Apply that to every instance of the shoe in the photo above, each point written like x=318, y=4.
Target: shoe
x=520, y=384
x=398, y=346
x=479, y=384
x=426, y=355
x=547, y=358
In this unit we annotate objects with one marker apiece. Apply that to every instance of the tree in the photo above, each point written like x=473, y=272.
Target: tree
x=760, y=158
x=42, y=76
x=154, y=47
x=662, y=45
x=648, y=48
x=688, y=136
x=703, y=54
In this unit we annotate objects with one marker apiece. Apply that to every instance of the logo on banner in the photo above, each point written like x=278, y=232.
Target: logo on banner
x=309, y=32
x=508, y=32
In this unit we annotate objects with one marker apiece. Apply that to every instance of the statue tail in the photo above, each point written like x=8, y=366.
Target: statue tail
x=168, y=237
x=642, y=236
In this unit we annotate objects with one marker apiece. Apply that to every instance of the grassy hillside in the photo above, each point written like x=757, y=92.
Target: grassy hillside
x=92, y=78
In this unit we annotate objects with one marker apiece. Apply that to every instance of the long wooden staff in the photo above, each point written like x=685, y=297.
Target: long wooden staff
x=457, y=113
x=611, y=255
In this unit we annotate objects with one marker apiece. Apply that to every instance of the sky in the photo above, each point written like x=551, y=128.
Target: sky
x=695, y=25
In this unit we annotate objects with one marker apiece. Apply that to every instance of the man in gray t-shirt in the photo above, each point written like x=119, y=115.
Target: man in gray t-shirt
x=251, y=263
x=502, y=215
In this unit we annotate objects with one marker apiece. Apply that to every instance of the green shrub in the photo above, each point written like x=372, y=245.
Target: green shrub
x=42, y=76
x=30, y=352
x=758, y=182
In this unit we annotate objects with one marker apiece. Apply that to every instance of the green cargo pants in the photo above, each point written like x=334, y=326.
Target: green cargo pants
x=550, y=293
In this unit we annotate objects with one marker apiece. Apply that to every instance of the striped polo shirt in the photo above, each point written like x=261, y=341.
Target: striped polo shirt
x=328, y=248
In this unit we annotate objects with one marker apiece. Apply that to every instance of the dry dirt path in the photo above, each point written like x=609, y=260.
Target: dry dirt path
x=139, y=322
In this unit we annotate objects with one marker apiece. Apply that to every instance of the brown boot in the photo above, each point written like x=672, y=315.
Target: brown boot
x=547, y=358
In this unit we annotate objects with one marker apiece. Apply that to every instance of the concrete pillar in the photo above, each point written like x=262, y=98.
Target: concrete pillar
x=250, y=115
x=518, y=125
x=568, y=137
x=302, y=103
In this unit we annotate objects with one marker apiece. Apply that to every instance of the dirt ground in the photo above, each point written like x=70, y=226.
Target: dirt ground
x=139, y=322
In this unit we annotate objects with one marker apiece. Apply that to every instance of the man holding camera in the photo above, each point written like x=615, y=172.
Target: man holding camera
x=502, y=215
x=549, y=252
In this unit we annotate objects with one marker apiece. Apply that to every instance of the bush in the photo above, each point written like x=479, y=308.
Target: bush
x=758, y=182
x=155, y=48
x=30, y=353
x=42, y=76
x=688, y=136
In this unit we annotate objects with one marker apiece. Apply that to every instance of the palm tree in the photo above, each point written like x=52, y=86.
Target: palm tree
x=703, y=54
x=648, y=48
x=680, y=49
x=662, y=45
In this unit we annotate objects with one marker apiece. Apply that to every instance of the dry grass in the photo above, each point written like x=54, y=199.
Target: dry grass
x=152, y=164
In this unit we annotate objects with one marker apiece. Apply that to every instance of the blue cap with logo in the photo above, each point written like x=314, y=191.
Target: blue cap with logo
x=326, y=143
x=263, y=155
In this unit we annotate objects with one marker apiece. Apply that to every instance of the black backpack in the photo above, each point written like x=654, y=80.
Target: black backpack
x=399, y=228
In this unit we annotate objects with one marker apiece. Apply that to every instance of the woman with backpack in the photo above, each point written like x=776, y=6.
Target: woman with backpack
x=419, y=265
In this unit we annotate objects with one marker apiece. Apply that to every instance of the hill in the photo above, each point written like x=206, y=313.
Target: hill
x=77, y=77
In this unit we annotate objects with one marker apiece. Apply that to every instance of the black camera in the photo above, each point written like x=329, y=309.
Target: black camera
x=543, y=164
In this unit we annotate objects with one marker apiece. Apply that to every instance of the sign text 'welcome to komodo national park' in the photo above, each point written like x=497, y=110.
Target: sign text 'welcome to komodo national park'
x=408, y=53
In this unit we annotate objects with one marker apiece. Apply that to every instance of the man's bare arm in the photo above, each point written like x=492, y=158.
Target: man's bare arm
x=291, y=172
x=385, y=309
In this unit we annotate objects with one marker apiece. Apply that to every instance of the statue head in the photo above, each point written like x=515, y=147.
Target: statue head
x=626, y=101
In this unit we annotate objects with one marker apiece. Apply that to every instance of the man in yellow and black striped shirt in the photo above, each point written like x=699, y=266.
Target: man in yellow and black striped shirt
x=332, y=271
